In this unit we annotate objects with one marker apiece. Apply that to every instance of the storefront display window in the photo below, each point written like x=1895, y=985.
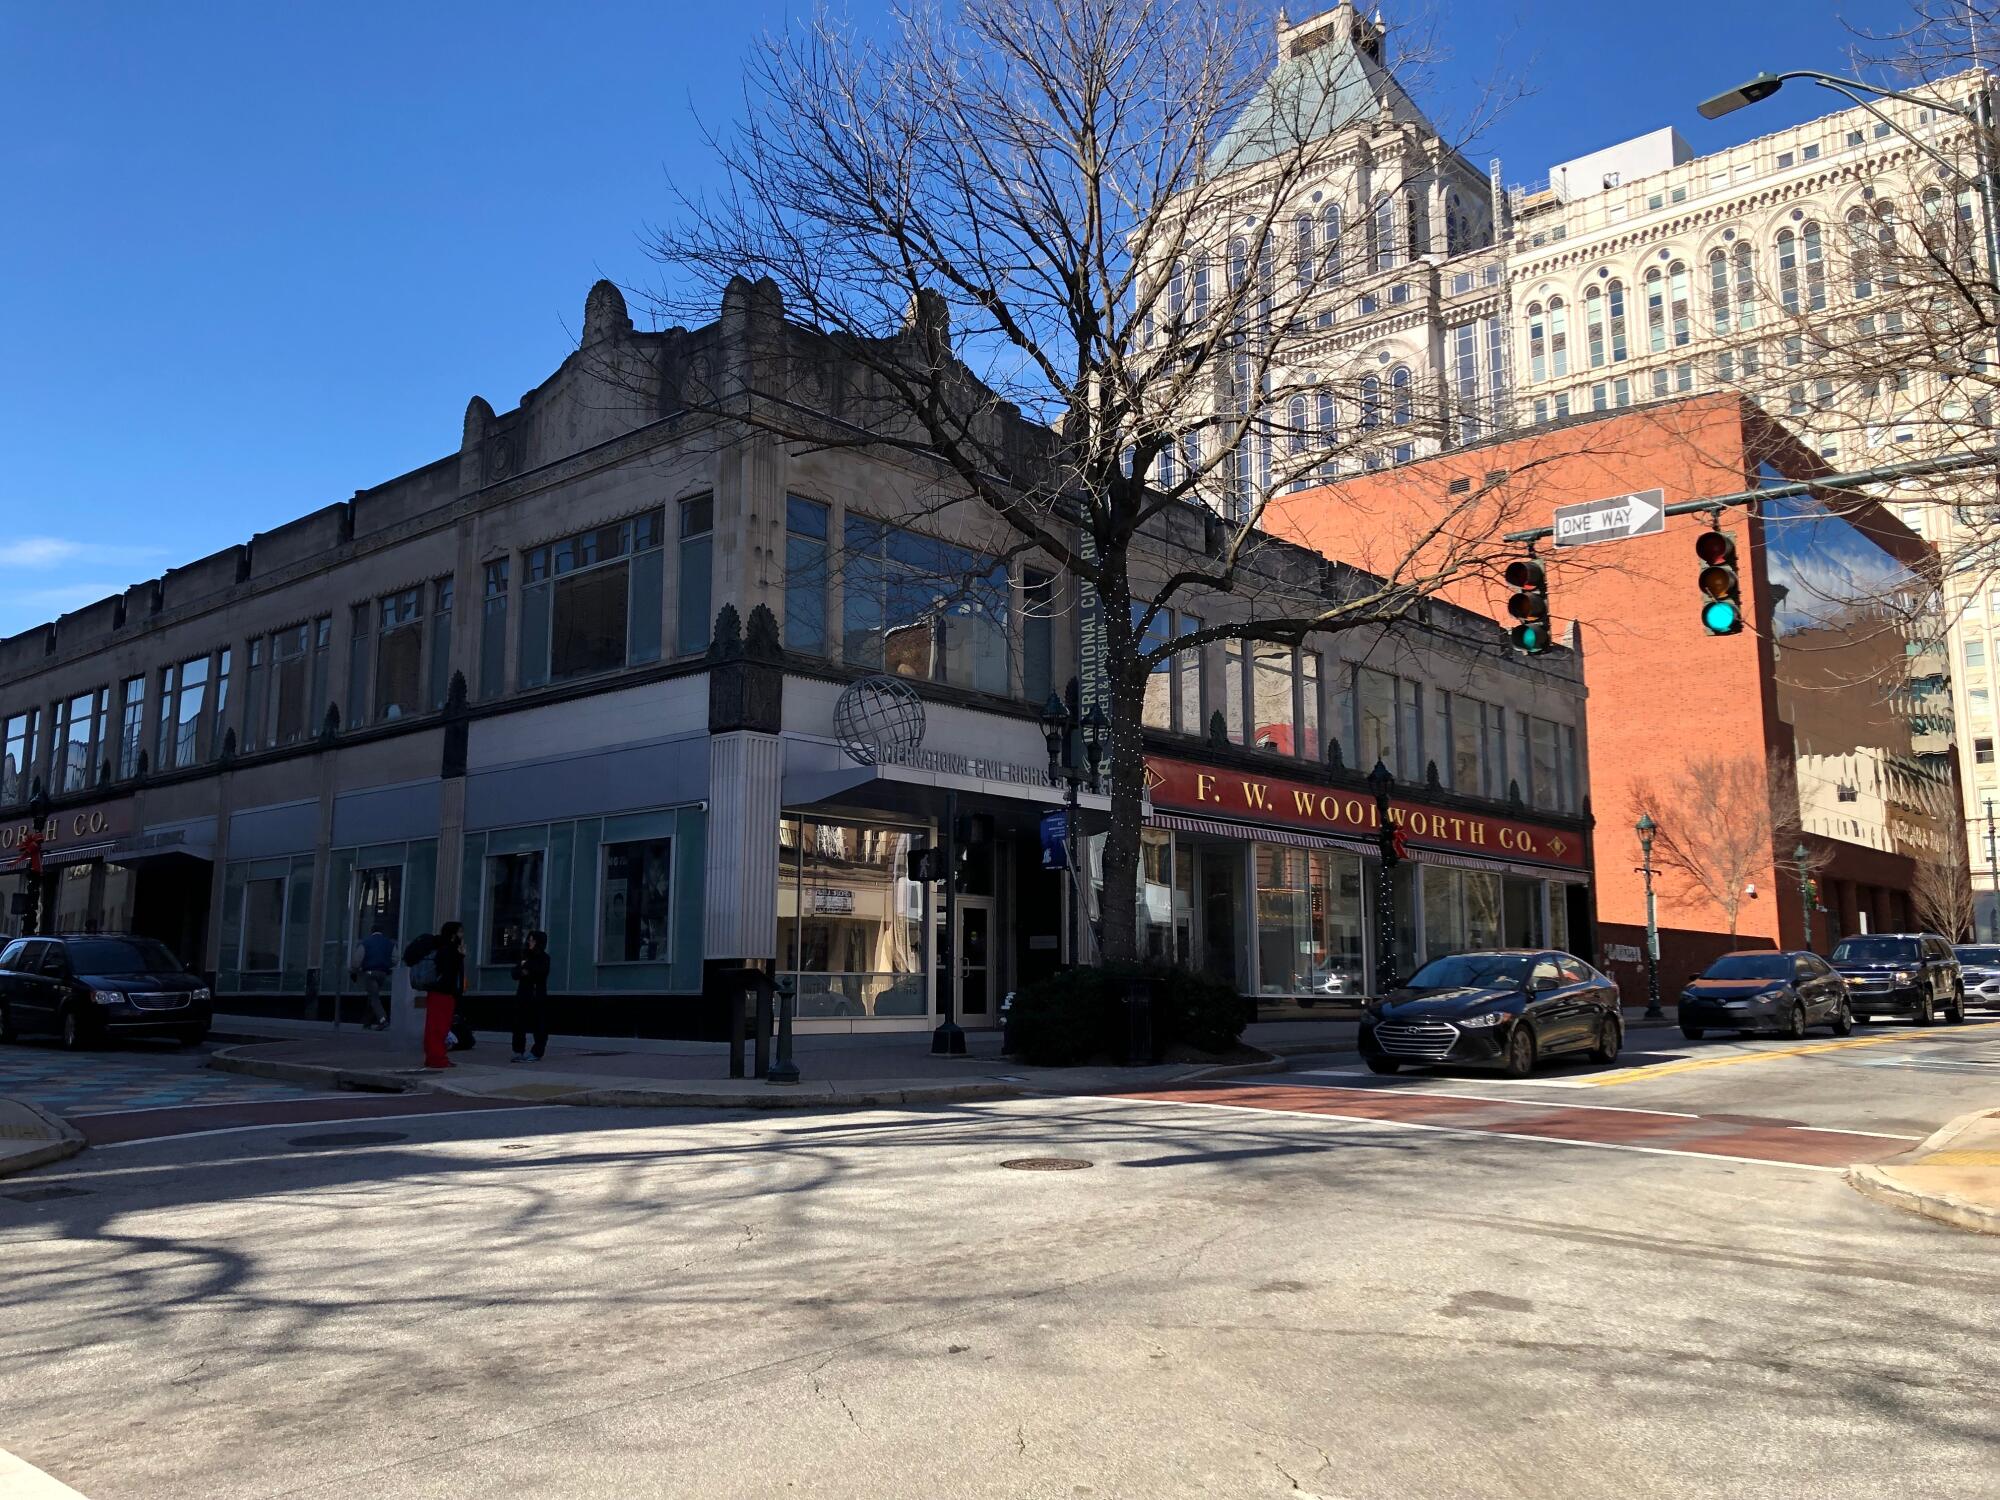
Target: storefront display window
x=1309, y=922
x=263, y=926
x=1444, y=914
x=636, y=915
x=513, y=903
x=1483, y=925
x=1156, y=909
x=1559, y=917
x=851, y=922
x=1524, y=912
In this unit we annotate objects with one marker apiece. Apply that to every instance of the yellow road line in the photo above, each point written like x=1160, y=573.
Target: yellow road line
x=1691, y=1064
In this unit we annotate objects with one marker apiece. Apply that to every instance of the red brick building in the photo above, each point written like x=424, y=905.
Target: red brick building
x=1816, y=687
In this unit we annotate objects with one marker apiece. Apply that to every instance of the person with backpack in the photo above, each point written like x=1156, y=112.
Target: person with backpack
x=531, y=993
x=437, y=972
x=374, y=963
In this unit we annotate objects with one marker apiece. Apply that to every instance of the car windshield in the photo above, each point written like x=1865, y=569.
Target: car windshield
x=1875, y=950
x=1749, y=966
x=1978, y=956
x=1470, y=969
x=122, y=956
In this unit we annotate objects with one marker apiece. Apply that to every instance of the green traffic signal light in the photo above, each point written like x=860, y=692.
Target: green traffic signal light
x=1532, y=638
x=1721, y=608
x=1529, y=605
x=1722, y=616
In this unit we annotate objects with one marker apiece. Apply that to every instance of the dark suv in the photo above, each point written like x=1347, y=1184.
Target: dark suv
x=1901, y=973
x=85, y=989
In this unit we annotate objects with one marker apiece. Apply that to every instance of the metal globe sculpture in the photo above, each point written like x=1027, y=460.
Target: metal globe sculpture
x=879, y=718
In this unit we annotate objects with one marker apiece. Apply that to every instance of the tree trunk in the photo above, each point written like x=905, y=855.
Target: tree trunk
x=1125, y=760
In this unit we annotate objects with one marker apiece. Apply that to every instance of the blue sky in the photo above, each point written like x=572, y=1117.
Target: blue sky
x=259, y=256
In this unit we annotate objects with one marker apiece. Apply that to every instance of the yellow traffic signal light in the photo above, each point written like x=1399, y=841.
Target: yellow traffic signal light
x=1529, y=605
x=1721, y=601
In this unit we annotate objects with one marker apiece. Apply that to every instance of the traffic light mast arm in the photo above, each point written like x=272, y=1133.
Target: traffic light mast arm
x=1916, y=468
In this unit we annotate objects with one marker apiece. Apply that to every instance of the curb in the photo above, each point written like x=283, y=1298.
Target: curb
x=361, y=1080
x=1875, y=1180
x=69, y=1140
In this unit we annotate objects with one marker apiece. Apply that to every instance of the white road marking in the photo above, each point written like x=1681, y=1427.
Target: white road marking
x=1501, y=1135
x=441, y=1114
x=21, y=1480
x=148, y=1109
x=1885, y=1135
x=1389, y=1088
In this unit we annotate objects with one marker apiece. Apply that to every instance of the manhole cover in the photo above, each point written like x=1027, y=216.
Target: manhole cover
x=350, y=1138
x=1046, y=1164
x=43, y=1194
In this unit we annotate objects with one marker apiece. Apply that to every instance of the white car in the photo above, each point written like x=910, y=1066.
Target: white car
x=1979, y=965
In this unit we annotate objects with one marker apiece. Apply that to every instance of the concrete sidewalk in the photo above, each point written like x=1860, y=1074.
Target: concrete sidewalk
x=1953, y=1177
x=32, y=1137
x=835, y=1071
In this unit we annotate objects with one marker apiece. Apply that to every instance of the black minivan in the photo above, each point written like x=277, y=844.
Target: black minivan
x=85, y=989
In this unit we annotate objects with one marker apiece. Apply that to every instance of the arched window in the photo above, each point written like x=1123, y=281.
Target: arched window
x=1177, y=294
x=1885, y=244
x=1164, y=469
x=1329, y=423
x=1814, y=251
x=1297, y=439
x=1371, y=402
x=1305, y=252
x=1656, y=310
x=1558, y=337
x=1383, y=232
x=1399, y=396
x=1788, y=271
x=1677, y=302
x=1538, y=342
x=1718, y=290
x=1329, y=244
x=1746, y=285
x=1417, y=223
x=1860, y=244
x=1200, y=293
x=1614, y=296
x=1593, y=325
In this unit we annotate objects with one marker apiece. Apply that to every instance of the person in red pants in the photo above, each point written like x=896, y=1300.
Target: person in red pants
x=441, y=996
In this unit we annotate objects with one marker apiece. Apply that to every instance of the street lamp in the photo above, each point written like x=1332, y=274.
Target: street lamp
x=1764, y=85
x=1646, y=828
x=1379, y=782
x=1802, y=854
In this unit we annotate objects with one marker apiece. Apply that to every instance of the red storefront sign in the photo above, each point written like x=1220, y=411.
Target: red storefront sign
x=1245, y=796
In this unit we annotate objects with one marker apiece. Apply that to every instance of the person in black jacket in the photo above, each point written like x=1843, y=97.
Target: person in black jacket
x=442, y=990
x=531, y=993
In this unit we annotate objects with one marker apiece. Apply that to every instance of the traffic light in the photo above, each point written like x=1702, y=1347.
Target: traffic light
x=1721, y=604
x=1530, y=605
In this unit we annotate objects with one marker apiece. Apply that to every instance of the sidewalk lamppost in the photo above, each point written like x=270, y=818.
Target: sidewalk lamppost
x=1992, y=876
x=1379, y=782
x=1802, y=854
x=1062, y=727
x=1646, y=828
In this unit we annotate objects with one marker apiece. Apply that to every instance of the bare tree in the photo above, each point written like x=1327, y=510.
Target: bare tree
x=1725, y=822
x=1058, y=235
x=1942, y=893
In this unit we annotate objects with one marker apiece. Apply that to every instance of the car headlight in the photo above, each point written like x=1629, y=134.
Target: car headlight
x=107, y=997
x=200, y=997
x=1904, y=976
x=1491, y=1018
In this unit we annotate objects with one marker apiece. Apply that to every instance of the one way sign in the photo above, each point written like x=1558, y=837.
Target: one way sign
x=1613, y=520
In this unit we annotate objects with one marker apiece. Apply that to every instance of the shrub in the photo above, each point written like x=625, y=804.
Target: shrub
x=1079, y=1015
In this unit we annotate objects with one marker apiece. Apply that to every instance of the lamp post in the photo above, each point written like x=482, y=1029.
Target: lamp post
x=1646, y=828
x=1802, y=854
x=1992, y=874
x=1379, y=782
x=1062, y=728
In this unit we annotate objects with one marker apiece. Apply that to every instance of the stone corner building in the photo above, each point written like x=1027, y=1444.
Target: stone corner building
x=581, y=676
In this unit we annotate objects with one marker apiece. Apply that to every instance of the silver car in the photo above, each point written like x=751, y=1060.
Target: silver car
x=1980, y=965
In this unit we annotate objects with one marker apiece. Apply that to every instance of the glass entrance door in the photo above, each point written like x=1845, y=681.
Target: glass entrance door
x=1221, y=908
x=975, y=961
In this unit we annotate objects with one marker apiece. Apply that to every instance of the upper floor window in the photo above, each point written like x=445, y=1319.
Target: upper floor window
x=1383, y=233
x=591, y=602
x=696, y=576
x=1593, y=325
x=1399, y=396
x=17, y=756
x=919, y=607
x=1538, y=343
x=1718, y=291
x=1746, y=285
x=1813, y=250
x=298, y=657
x=1558, y=337
x=1614, y=298
x=399, y=654
x=806, y=564
x=443, y=592
x=131, y=728
x=183, y=695
x=81, y=729
x=1329, y=246
x=493, y=629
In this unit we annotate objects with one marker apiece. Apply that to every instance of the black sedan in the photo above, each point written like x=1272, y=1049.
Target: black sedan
x=1507, y=1008
x=1766, y=991
x=86, y=989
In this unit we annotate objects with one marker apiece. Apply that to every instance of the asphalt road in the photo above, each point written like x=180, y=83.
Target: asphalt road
x=1332, y=1285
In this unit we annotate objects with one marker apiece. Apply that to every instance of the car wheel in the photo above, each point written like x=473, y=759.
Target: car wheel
x=1843, y=1021
x=1609, y=1035
x=71, y=1029
x=1520, y=1057
x=1956, y=1015
x=1863, y=1018
x=1795, y=1022
x=1383, y=1065
x=1693, y=1033
x=1926, y=1010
